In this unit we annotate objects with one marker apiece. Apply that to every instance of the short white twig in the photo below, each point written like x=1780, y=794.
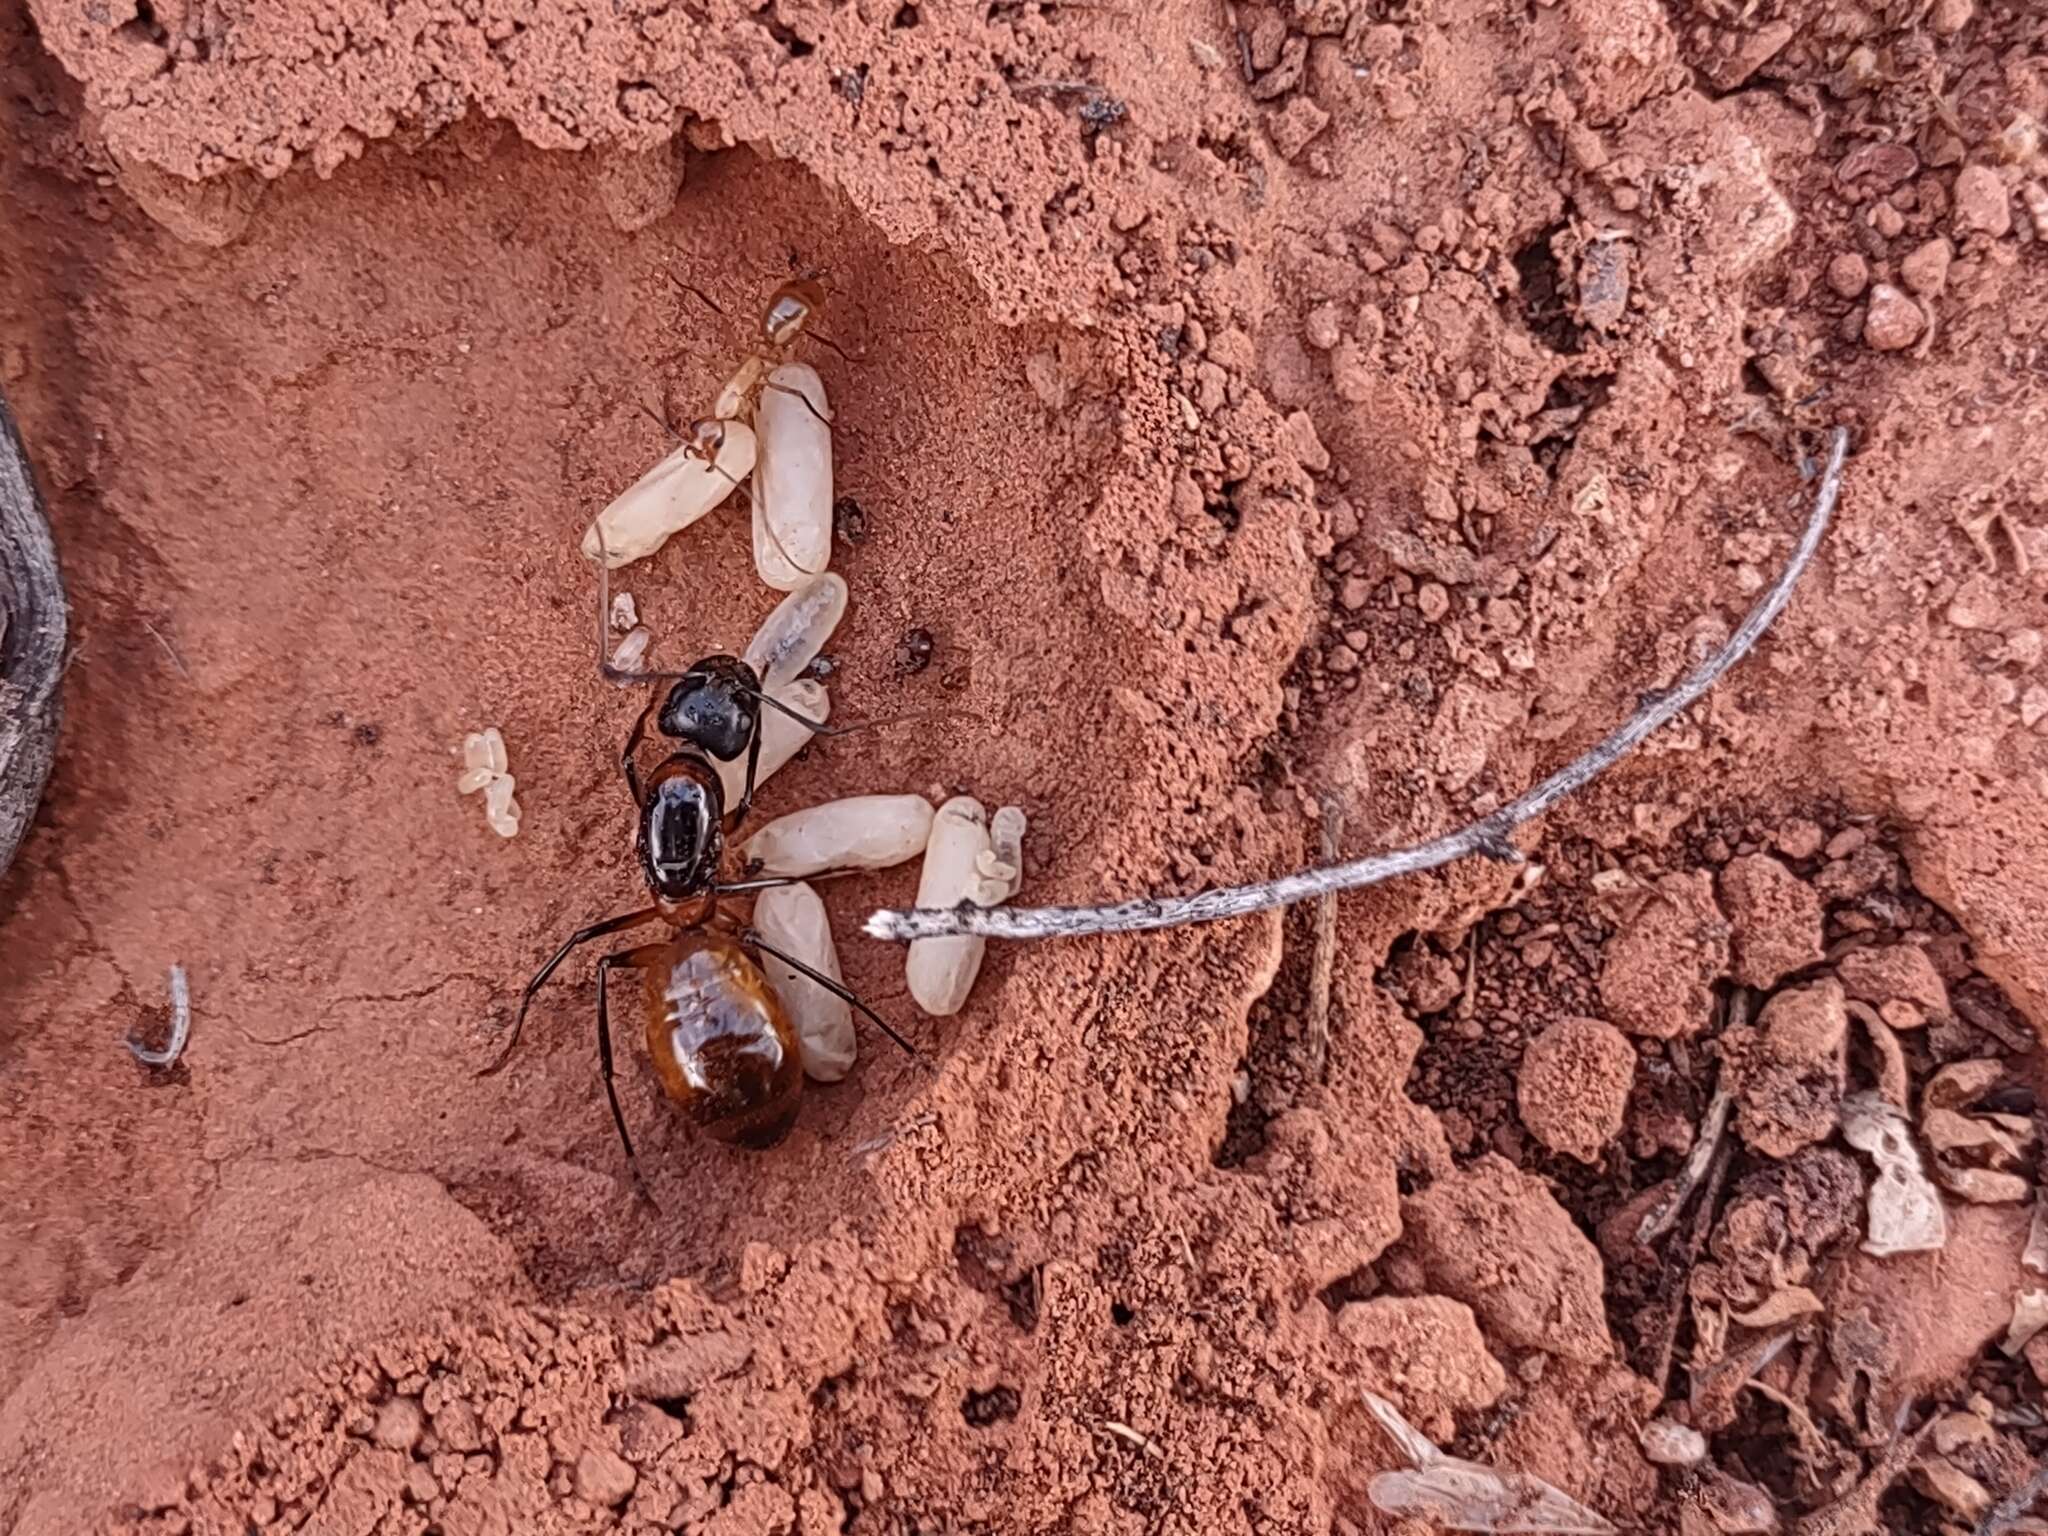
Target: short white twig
x=181, y=1025
x=1488, y=836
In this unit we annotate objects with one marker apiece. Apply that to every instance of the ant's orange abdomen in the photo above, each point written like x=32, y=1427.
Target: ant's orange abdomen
x=721, y=1042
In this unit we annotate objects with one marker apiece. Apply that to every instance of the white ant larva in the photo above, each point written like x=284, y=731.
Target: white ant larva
x=791, y=637
x=793, y=478
x=860, y=832
x=792, y=919
x=687, y=485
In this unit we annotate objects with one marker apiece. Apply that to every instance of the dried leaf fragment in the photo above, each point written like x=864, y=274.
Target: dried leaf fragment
x=1462, y=1495
x=1906, y=1214
x=1780, y=1307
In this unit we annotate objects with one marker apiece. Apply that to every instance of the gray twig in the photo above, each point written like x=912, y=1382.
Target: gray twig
x=1324, y=959
x=2007, y=1511
x=181, y=1025
x=1488, y=836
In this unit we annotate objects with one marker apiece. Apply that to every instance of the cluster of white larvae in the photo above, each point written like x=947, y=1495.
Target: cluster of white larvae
x=484, y=765
x=772, y=422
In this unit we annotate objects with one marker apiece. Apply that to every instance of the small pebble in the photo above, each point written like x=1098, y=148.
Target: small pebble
x=1887, y=221
x=1925, y=271
x=1982, y=206
x=1799, y=838
x=1893, y=322
x=1671, y=1444
x=1976, y=604
x=625, y=613
x=1849, y=274
x=2033, y=706
x=400, y=1423
x=1324, y=327
x=1433, y=602
x=604, y=1478
x=1846, y=842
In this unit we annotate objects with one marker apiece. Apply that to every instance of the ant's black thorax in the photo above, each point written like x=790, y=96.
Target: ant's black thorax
x=680, y=837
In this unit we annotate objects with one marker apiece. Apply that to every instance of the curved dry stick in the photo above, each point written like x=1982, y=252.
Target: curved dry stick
x=33, y=623
x=1488, y=835
x=181, y=1025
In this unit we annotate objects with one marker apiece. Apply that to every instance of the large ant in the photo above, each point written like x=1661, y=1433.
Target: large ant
x=722, y=1043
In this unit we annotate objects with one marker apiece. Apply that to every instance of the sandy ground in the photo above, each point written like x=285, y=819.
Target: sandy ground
x=1341, y=399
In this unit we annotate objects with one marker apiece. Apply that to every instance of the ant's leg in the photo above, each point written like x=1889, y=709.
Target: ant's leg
x=633, y=739
x=753, y=938
x=797, y=394
x=749, y=885
x=630, y=959
x=738, y=813
x=581, y=936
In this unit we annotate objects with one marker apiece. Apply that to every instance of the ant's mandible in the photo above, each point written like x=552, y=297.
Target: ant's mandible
x=721, y=1041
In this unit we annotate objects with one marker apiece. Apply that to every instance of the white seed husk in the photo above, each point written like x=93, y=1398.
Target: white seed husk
x=633, y=649
x=495, y=757
x=862, y=832
x=792, y=490
x=473, y=779
x=793, y=919
x=791, y=637
x=670, y=497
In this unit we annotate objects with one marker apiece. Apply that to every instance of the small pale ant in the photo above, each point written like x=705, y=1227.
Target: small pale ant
x=722, y=1043
x=784, y=319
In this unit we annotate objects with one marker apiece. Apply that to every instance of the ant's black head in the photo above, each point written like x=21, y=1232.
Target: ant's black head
x=680, y=837
x=714, y=706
